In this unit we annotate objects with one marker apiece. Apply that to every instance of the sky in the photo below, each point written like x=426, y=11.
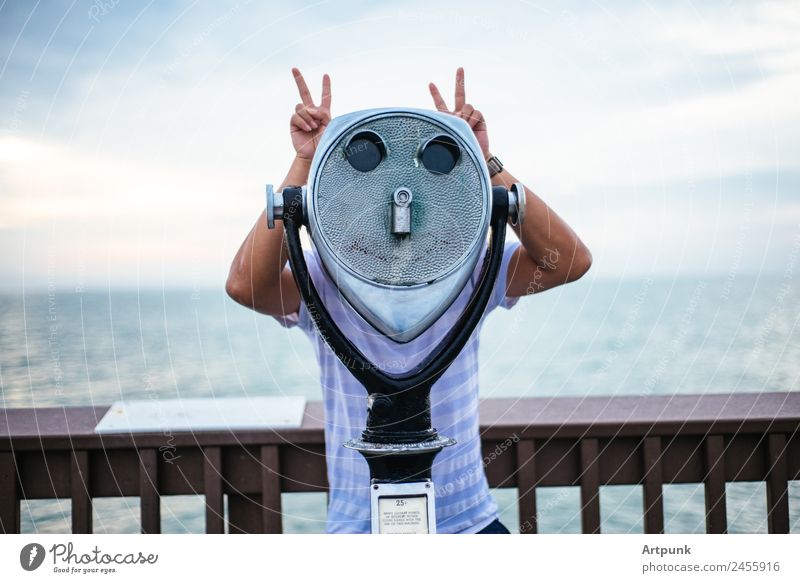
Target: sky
x=136, y=138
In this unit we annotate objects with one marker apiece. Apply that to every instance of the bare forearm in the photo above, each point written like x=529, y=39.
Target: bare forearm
x=555, y=253
x=255, y=277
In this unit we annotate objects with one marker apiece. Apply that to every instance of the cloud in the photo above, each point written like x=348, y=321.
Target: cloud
x=153, y=141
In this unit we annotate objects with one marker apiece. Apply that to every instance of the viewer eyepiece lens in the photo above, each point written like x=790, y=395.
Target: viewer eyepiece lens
x=440, y=154
x=364, y=151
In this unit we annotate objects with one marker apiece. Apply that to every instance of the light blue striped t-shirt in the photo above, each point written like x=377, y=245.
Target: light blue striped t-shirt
x=463, y=501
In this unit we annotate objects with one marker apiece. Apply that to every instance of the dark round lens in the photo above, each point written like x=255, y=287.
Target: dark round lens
x=364, y=151
x=440, y=154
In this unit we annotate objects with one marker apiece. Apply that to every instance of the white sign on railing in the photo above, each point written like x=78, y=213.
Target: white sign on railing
x=203, y=414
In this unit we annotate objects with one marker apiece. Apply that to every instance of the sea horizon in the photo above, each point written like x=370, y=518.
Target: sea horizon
x=626, y=336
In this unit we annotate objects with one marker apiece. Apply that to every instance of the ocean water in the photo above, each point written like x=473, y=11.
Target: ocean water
x=598, y=336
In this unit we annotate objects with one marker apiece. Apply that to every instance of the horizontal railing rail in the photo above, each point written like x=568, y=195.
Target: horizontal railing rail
x=528, y=443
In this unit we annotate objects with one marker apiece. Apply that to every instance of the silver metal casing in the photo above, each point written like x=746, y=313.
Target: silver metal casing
x=399, y=283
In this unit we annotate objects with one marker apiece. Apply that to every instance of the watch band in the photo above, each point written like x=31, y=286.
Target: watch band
x=495, y=165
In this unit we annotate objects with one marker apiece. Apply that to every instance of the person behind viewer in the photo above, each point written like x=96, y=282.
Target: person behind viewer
x=548, y=254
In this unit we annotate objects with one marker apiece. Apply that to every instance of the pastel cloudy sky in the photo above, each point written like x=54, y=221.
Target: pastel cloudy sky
x=136, y=138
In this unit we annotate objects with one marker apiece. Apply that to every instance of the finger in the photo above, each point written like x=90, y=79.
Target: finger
x=438, y=101
x=305, y=94
x=467, y=115
x=306, y=115
x=472, y=115
x=298, y=122
x=326, y=91
x=460, y=92
x=480, y=123
x=320, y=114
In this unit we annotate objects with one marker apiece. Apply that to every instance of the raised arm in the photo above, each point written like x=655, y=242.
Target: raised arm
x=258, y=277
x=551, y=253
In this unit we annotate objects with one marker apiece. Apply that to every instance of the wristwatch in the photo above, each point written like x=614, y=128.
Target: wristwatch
x=495, y=165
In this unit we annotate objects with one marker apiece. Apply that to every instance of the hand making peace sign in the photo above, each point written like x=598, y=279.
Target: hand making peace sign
x=464, y=110
x=309, y=120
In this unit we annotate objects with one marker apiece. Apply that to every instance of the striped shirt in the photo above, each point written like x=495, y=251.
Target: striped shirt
x=463, y=501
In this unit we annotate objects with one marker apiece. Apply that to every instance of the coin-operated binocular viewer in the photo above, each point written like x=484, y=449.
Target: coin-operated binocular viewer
x=400, y=209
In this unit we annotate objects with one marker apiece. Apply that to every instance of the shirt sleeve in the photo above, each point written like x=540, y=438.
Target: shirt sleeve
x=499, y=297
x=297, y=318
x=300, y=316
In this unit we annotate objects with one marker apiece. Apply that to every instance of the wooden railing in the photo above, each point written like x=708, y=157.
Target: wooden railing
x=528, y=443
